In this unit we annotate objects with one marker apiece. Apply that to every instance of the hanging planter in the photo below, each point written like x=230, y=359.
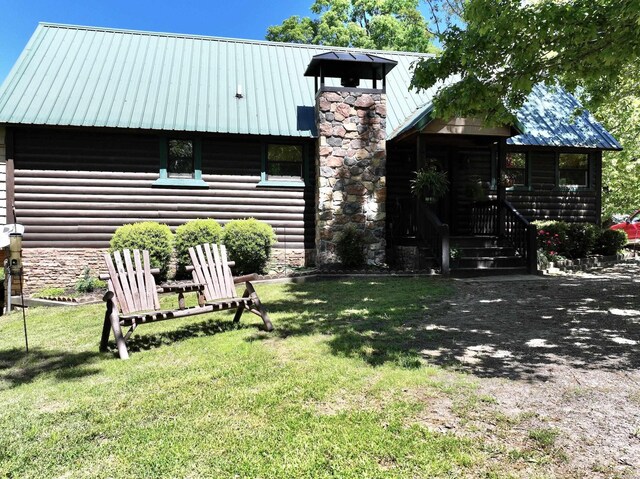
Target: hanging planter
x=429, y=184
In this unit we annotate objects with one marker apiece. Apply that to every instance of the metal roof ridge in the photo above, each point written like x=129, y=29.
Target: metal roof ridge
x=328, y=48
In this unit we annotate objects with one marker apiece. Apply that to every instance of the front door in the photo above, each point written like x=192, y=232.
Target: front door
x=470, y=176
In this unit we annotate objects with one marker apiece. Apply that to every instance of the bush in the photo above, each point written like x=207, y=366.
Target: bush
x=249, y=244
x=154, y=237
x=610, y=242
x=88, y=283
x=581, y=239
x=350, y=248
x=191, y=234
x=551, y=238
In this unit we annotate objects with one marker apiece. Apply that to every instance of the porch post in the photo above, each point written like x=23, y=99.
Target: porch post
x=501, y=191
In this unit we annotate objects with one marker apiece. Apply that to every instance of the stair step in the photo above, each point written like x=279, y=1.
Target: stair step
x=474, y=272
x=474, y=241
x=489, y=262
x=486, y=251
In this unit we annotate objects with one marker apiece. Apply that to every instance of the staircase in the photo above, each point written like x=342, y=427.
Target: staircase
x=483, y=256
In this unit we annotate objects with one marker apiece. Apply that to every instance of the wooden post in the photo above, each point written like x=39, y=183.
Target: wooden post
x=532, y=249
x=444, y=231
x=500, y=188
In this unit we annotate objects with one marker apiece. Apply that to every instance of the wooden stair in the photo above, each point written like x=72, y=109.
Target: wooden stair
x=484, y=256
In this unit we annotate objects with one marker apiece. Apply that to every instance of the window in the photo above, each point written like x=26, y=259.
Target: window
x=180, y=163
x=573, y=169
x=284, y=161
x=283, y=165
x=516, y=170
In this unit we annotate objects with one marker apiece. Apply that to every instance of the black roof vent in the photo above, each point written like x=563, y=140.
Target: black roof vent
x=350, y=68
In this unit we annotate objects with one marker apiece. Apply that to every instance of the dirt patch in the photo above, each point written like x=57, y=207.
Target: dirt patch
x=559, y=355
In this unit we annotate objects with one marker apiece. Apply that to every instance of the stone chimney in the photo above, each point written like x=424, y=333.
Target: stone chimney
x=351, y=162
x=351, y=156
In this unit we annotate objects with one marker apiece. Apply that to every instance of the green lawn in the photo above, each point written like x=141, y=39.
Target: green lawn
x=335, y=391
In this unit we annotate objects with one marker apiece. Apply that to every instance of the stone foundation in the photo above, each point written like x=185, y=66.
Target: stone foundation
x=350, y=171
x=58, y=267
x=62, y=267
x=292, y=257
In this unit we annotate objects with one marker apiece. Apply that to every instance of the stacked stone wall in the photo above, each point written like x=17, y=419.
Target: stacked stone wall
x=351, y=171
x=62, y=267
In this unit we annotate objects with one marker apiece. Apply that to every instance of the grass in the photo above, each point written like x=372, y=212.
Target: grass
x=336, y=390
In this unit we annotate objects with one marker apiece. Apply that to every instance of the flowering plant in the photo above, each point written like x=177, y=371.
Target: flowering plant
x=549, y=243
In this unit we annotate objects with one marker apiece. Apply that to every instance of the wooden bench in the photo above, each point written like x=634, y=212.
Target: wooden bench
x=132, y=296
x=212, y=269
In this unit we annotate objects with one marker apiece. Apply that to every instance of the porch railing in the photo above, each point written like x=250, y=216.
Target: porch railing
x=500, y=218
x=484, y=218
x=521, y=234
x=434, y=234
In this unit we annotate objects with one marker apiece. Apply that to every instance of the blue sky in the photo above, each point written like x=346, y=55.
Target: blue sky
x=230, y=18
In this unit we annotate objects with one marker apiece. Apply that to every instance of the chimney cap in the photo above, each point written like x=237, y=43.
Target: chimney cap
x=349, y=65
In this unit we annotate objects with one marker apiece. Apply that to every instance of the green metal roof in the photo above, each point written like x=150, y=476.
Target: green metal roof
x=97, y=77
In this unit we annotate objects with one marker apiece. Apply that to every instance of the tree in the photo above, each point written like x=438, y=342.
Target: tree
x=621, y=170
x=508, y=46
x=376, y=24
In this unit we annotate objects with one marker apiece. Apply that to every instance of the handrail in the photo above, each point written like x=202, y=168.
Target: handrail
x=500, y=218
x=435, y=234
x=520, y=233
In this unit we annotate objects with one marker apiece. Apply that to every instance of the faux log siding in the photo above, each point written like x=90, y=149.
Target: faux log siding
x=547, y=201
x=73, y=189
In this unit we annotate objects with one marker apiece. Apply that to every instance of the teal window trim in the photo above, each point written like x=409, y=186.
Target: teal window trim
x=281, y=183
x=165, y=180
x=590, y=173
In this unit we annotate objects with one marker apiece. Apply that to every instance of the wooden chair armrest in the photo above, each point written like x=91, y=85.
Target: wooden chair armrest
x=190, y=268
x=181, y=288
x=245, y=278
x=108, y=296
x=105, y=276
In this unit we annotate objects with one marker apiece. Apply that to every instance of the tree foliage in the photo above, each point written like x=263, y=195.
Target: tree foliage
x=508, y=46
x=621, y=170
x=379, y=24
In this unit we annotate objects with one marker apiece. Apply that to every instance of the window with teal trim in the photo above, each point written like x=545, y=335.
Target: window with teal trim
x=180, y=159
x=180, y=163
x=283, y=164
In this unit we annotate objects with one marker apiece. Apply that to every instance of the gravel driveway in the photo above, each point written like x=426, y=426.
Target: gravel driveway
x=557, y=353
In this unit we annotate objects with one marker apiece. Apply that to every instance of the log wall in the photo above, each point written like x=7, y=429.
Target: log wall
x=74, y=187
x=545, y=200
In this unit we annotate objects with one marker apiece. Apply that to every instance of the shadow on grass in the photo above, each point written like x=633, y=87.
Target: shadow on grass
x=18, y=367
x=517, y=330
x=211, y=327
x=369, y=319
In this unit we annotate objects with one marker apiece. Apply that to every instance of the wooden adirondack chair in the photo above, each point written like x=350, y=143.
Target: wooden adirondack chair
x=132, y=298
x=212, y=268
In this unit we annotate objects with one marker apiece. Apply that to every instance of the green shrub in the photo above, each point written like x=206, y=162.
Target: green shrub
x=249, y=244
x=88, y=283
x=191, y=234
x=350, y=248
x=610, y=242
x=154, y=237
x=581, y=239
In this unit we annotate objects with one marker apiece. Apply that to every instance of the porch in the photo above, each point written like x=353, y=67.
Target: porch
x=472, y=230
